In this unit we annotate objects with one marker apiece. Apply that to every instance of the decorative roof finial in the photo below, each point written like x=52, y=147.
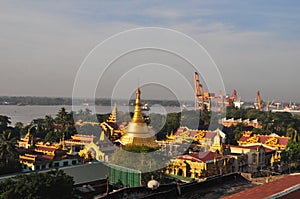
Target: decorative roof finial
x=137, y=116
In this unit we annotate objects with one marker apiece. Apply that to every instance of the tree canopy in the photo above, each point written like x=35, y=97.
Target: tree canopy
x=51, y=185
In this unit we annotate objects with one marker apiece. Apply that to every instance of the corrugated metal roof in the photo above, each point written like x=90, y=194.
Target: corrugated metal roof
x=87, y=172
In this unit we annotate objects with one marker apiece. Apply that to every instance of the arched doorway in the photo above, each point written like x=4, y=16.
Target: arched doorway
x=93, y=151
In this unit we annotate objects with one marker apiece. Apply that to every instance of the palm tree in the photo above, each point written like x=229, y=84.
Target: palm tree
x=8, y=151
x=49, y=123
x=4, y=122
x=67, y=123
x=62, y=117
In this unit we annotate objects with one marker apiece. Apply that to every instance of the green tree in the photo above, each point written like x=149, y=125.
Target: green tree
x=51, y=185
x=238, y=132
x=8, y=153
x=66, y=121
x=292, y=133
x=52, y=137
x=291, y=154
x=62, y=117
x=19, y=127
x=4, y=122
x=49, y=123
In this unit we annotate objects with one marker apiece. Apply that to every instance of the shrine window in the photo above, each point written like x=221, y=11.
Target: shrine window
x=65, y=163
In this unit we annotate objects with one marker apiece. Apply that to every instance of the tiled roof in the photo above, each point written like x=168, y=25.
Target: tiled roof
x=268, y=189
x=210, y=134
x=283, y=140
x=254, y=147
x=77, y=140
x=180, y=130
x=263, y=139
x=192, y=133
x=41, y=148
x=201, y=156
x=47, y=157
x=243, y=139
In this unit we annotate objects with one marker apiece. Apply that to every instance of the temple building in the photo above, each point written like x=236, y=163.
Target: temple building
x=45, y=157
x=263, y=151
x=210, y=159
x=110, y=127
x=207, y=140
x=275, y=141
x=200, y=165
x=78, y=142
x=137, y=131
x=35, y=155
x=27, y=141
x=257, y=157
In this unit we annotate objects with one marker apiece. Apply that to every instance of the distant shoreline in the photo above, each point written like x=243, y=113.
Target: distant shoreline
x=67, y=101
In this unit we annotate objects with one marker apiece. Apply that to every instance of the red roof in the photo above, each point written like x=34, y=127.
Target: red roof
x=243, y=139
x=41, y=148
x=268, y=189
x=210, y=134
x=47, y=157
x=192, y=133
x=283, y=141
x=263, y=139
x=78, y=141
x=201, y=156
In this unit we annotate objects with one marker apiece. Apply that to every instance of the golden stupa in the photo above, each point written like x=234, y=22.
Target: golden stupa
x=137, y=132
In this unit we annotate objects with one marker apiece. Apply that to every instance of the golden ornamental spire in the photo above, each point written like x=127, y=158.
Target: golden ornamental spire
x=137, y=115
x=113, y=116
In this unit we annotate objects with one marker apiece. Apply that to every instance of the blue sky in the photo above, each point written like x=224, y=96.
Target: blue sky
x=254, y=43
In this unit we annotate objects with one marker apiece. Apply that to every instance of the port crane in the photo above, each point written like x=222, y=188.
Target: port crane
x=203, y=99
x=259, y=102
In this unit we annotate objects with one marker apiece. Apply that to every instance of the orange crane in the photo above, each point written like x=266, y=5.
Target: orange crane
x=202, y=99
x=231, y=99
x=259, y=102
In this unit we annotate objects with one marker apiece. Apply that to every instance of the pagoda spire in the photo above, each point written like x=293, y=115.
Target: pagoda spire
x=113, y=116
x=137, y=115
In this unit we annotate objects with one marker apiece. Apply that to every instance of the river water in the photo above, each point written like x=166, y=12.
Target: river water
x=26, y=114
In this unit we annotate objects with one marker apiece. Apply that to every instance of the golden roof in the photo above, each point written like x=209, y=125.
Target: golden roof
x=113, y=116
x=137, y=132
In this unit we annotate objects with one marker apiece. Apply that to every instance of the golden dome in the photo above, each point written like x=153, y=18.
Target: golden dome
x=137, y=132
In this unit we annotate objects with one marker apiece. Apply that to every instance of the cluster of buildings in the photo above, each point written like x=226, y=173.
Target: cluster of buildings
x=35, y=156
x=207, y=154
x=210, y=156
x=245, y=122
